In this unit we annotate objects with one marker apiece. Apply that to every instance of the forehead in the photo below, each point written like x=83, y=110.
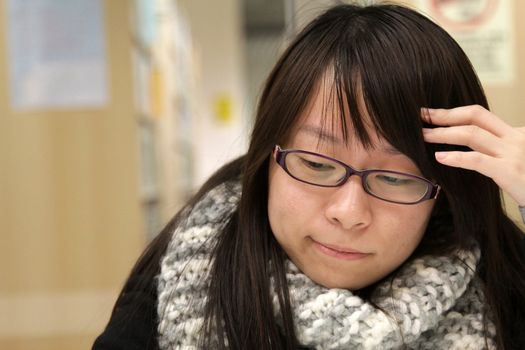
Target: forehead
x=324, y=120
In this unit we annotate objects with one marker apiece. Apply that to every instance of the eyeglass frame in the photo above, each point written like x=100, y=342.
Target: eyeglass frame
x=280, y=154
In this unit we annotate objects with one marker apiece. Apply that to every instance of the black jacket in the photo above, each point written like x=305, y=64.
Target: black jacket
x=133, y=324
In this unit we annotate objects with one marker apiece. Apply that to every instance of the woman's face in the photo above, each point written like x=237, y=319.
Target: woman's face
x=342, y=237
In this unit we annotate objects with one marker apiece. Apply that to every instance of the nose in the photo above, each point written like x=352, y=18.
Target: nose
x=349, y=206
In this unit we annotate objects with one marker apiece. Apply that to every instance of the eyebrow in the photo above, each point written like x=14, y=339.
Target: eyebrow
x=323, y=135
x=320, y=133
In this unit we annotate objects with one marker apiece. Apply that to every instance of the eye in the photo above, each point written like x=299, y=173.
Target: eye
x=317, y=166
x=391, y=179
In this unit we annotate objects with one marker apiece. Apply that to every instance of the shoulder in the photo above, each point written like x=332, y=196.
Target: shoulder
x=198, y=226
x=133, y=324
x=215, y=206
x=182, y=282
x=203, y=220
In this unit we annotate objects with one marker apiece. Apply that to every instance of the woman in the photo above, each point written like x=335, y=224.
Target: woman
x=358, y=218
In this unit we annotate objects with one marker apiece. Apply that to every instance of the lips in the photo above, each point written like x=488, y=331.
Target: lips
x=340, y=249
x=343, y=253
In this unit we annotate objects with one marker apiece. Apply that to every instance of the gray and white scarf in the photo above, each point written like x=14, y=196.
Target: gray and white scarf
x=434, y=302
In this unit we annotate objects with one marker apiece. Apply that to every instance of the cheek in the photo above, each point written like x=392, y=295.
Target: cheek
x=405, y=231
x=276, y=207
x=418, y=222
x=289, y=208
x=281, y=203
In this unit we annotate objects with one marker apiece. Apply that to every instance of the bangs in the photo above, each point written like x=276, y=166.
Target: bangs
x=354, y=110
x=364, y=92
x=385, y=66
x=380, y=66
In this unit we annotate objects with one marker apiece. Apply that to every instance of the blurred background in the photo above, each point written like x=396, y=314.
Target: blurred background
x=112, y=112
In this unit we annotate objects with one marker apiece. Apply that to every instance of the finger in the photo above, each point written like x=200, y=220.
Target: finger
x=465, y=115
x=508, y=175
x=476, y=161
x=466, y=135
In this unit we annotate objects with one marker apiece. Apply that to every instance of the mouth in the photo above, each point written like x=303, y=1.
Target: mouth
x=343, y=253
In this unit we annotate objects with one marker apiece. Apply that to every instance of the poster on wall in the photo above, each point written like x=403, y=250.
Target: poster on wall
x=485, y=31
x=56, y=54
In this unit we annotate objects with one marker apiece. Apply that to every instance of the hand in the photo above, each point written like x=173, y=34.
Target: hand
x=498, y=149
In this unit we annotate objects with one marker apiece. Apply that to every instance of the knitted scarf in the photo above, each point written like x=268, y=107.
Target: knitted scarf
x=434, y=302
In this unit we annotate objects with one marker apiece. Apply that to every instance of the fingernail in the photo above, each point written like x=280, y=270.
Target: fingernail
x=426, y=113
x=441, y=156
x=427, y=130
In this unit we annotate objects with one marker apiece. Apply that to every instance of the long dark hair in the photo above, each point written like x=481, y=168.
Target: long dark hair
x=397, y=61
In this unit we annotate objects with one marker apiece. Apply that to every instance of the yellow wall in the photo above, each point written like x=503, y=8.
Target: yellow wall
x=70, y=221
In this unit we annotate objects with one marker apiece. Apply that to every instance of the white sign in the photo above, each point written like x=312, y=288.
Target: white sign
x=485, y=31
x=56, y=53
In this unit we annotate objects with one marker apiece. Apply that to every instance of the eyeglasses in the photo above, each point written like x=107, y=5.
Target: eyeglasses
x=319, y=170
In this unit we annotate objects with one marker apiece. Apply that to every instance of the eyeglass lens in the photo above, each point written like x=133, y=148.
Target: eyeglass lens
x=318, y=170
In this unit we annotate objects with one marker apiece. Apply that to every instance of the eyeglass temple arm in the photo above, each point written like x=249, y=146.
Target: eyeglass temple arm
x=435, y=192
x=276, y=153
